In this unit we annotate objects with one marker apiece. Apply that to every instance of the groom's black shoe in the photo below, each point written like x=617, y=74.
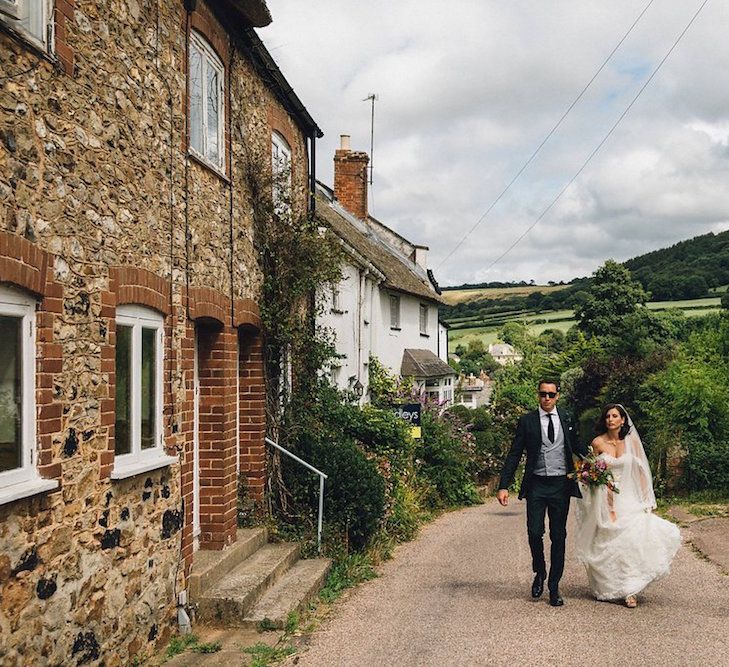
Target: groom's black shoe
x=538, y=586
x=555, y=599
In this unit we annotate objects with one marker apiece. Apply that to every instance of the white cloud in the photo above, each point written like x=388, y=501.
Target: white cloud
x=467, y=90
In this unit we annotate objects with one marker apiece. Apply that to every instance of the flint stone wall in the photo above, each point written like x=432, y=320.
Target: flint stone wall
x=94, y=172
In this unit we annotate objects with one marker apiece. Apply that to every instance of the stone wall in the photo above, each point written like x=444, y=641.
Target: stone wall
x=100, y=205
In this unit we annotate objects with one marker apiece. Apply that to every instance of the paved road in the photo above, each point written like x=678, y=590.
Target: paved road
x=459, y=595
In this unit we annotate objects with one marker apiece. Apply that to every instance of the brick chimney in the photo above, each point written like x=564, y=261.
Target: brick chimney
x=350, y=178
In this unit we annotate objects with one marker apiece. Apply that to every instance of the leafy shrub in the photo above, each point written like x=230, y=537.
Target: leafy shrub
x=381, y=432
x=490, y=442
x=446, y=459
x=354, y=493
x=406, y=512
x=707, y=466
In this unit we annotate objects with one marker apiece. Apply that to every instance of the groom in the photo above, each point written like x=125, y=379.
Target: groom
x=550, y=439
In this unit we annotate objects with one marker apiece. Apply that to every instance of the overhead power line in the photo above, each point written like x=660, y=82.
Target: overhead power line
x=546, y=138
x=600, y=145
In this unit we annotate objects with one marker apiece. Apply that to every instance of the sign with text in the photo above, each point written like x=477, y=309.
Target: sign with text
x=410, y=412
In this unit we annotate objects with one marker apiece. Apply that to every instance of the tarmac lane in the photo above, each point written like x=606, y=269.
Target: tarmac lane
x=460, y=595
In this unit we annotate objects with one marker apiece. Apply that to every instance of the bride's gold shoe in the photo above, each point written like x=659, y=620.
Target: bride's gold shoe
x=631, y=602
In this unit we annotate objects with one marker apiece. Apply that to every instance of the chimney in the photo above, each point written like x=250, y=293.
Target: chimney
x=350, y=178
x=421, y=256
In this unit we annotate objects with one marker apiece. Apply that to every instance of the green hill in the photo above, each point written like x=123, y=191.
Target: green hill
x=690, y=269
x=686, y=270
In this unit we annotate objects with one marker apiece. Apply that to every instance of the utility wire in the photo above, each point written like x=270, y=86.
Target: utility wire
x=600, y=145
x=549, y=134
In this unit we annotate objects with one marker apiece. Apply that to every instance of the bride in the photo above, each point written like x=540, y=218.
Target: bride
x=623, y=545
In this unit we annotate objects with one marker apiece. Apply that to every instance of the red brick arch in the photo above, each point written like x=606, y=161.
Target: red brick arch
x=131, y=284
x=207, y=303
x=23, y=263
x=246, y=314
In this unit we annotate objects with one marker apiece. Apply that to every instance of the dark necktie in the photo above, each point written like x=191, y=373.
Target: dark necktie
x=550, y=428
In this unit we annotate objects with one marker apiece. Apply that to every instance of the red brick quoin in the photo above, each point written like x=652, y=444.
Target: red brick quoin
x=229, y=353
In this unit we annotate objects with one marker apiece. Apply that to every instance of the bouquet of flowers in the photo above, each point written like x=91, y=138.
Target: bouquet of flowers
x=594, y=472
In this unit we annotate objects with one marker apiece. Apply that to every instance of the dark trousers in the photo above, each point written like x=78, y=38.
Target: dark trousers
x=549, y=495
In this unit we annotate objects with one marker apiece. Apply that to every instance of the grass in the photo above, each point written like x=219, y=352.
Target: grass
x=453, y=297
x=347, y=572
x=180, y=643
x=707, y=302
x=563, y=320
x=264, y=655
x=699, y=503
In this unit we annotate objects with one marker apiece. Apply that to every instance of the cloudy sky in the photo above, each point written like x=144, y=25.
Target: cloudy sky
x=468, y=90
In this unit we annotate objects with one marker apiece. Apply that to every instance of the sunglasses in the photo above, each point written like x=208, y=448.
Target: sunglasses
x=544, y=394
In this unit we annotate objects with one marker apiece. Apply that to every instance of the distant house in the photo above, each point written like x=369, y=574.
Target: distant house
x=504, y=354
x=472, y=391
x=432, y=376
x=386, y=304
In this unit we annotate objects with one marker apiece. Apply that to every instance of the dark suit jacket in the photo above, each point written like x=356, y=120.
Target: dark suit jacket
x=529, y=438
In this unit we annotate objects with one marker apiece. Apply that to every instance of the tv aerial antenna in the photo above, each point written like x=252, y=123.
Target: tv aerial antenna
x=372, y=97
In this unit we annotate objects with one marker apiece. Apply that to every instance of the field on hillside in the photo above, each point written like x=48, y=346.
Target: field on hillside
x=453, y=297
x=564, y=319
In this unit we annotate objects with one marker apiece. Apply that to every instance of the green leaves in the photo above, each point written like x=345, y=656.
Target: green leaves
x=611, y=296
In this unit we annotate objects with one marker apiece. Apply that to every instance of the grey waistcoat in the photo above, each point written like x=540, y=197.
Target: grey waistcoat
x=551, y=460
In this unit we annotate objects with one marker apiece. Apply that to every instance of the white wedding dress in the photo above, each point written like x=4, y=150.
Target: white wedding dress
x=622, y=544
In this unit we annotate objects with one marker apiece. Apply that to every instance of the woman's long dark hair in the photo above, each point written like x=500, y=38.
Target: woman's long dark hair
x=600, y=426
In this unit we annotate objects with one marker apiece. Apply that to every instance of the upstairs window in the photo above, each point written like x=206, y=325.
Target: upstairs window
x=17, y=388
x=281, y=173
x=423, y=319
x=336, y=300
x=206, y=102
x=138, y=423
x=394, y=311
x=31, y=18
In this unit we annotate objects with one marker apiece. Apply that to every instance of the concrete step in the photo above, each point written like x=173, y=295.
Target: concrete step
x=228, y=602
x=291, y=593
x=208, y=567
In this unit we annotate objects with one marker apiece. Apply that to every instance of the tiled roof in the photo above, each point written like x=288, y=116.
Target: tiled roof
x=401, y=273
x=501, y=349
x=423, y=364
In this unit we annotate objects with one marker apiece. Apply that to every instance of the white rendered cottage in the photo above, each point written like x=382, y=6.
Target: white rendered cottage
x=386, y=304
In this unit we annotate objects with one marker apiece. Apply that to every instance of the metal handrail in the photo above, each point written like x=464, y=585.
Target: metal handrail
x=322, y=477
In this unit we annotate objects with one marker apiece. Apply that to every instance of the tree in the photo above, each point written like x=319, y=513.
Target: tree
x=612, y=295
x=476, y=359
x=514, y=333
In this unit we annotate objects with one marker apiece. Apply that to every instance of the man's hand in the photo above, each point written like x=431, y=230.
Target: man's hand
x=503, y=497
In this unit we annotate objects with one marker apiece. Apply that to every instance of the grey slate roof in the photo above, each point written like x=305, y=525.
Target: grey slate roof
x=423, y=364
x=401, y=273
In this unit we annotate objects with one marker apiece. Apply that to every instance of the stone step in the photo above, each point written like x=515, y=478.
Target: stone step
x=208, y=567
x=228, y=602
x=291, y=593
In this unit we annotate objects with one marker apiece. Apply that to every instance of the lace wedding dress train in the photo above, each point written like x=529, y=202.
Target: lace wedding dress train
x=621, y=543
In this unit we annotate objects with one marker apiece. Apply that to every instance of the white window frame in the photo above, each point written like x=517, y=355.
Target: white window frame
x=31, y=19
x=336, y=299
x=208, y=57
x=394, y=311
x=142, y=460
x=25, y=480
x=15, y=304
x=424, y=319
